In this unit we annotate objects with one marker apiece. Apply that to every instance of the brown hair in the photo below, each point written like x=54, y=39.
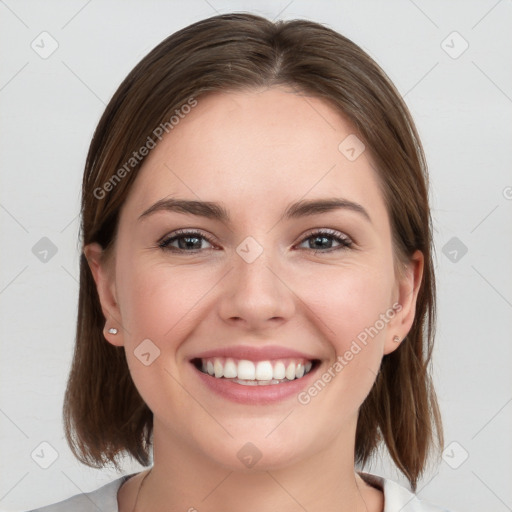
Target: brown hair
x=104, y=414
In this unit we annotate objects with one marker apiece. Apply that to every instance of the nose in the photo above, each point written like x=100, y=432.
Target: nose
x=256, y=295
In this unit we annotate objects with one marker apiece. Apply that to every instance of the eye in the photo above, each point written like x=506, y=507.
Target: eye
x=190, y=241
x=327, y=240
x=185, y=241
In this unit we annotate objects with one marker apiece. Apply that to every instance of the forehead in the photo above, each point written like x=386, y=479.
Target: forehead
x=265, y=145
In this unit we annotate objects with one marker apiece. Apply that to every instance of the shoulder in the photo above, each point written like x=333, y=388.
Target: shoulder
x=104, y=498
x=398, y=498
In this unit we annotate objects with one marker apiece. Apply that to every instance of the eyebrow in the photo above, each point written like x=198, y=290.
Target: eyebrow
x=217, y=212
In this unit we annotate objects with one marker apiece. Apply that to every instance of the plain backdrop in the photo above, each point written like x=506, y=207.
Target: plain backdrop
x=451, y=61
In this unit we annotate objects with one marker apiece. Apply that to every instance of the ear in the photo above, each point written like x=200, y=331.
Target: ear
x=408, y=286
x=103, y=273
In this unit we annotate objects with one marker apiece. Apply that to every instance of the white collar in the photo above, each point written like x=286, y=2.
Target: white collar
x=396, y=497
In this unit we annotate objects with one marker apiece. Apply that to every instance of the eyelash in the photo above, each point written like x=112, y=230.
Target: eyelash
x=344, y=241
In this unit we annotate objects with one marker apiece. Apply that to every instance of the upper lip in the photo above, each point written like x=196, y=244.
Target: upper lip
x=266, y=353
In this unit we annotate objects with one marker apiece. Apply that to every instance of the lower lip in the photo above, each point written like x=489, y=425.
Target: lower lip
x=259, y=395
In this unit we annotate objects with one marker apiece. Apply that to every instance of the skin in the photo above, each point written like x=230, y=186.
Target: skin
x=255, y=152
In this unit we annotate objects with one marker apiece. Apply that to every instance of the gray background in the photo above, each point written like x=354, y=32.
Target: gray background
x=462, y=104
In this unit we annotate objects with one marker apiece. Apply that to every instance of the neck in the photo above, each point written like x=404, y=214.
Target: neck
x=326, y=481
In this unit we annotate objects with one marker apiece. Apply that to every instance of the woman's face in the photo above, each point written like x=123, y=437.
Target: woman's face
x=267, y=289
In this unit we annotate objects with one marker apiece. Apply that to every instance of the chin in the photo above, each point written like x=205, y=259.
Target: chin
x=255, y=453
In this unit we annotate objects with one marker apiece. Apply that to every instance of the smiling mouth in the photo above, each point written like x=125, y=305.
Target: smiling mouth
x=255, y=373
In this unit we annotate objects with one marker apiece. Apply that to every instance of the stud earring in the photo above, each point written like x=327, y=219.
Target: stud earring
x=396, y=339
x=112, y=330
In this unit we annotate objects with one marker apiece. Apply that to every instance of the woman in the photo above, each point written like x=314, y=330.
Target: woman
x=257, y=296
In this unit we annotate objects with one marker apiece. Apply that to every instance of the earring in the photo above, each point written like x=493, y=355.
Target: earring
x=396, y=339
x=112, y=330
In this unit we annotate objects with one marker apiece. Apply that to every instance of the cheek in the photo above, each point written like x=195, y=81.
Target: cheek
x=350, y=306
x=348, y=300
x=157, y=301
x=160, y=303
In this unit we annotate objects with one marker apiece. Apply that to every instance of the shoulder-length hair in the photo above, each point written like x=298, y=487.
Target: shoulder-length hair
x=104, y=415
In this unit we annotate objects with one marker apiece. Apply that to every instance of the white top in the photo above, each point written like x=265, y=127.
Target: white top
x=396, y=498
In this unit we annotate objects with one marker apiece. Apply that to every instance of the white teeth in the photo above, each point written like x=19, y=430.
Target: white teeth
x=256, y=373
x=264, y=370
x=279, y=371
x=230, y=371
x=290, y=371
x=246, y=370
x=218, y=368
x=246, y=382
x=258, y=382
